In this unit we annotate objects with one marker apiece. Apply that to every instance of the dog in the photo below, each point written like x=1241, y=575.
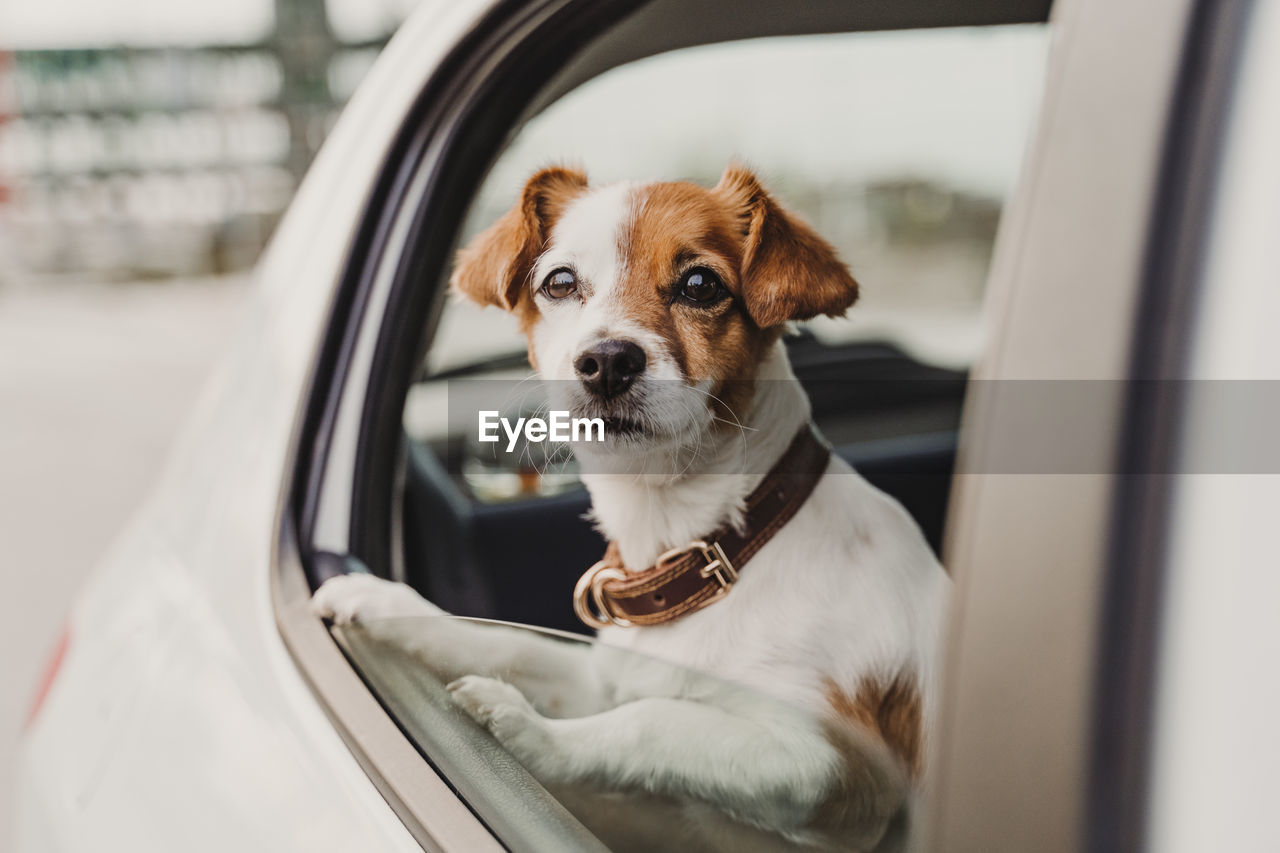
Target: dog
x=661, y=308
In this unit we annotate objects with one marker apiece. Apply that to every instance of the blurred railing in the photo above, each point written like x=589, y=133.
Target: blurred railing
x=150, y=162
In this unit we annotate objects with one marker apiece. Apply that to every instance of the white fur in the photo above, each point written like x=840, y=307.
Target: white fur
x=848, y=590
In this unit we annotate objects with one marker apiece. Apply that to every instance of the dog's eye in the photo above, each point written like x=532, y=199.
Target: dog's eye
x=701, y=286
x=560, y=284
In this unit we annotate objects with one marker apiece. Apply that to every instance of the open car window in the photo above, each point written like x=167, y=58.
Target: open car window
x=900, y=148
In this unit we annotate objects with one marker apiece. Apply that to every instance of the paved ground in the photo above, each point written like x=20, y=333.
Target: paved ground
x=94, y=382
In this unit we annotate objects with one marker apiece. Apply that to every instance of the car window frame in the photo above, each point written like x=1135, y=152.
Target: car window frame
x=380, y=294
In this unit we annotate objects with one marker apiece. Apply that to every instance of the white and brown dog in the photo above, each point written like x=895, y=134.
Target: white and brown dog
x=662, y=306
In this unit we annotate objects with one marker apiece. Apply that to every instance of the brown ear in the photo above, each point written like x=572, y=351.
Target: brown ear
x=494, y=267
x=788, y=271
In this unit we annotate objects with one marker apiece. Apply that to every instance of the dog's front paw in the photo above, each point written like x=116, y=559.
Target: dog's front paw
x=504, y=711
x=493, y=704
x=348, y=599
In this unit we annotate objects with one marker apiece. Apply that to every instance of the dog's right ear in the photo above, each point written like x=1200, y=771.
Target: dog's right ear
x=788, y=271
x=494, y=267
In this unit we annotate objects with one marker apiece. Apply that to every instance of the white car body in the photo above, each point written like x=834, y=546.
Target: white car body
x=178, y=719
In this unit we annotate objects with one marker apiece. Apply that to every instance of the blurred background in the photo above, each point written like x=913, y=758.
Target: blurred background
x=147, y=150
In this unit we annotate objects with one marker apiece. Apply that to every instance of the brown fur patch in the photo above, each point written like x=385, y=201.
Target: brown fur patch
x=890, y=709
x=775, y=266
x=675, y=227
x=877, y=734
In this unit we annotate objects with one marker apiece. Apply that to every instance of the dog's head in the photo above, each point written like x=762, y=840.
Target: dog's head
x=652, y=302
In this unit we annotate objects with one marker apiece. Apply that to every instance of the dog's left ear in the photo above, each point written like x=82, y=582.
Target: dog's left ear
x=788, y=271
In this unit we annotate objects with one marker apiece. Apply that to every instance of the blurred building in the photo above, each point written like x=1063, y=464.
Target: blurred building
x=128, y=162
x=134, y=162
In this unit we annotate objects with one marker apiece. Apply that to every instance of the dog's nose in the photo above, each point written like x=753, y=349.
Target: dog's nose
x=609, y=367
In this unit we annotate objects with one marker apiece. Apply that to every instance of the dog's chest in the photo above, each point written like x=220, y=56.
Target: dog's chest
x=764, y=634
x=822, y=601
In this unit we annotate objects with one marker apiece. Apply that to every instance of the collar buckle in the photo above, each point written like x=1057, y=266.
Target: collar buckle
x=718, y=564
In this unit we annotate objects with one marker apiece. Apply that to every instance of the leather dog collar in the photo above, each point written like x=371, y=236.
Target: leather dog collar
x=692, y=576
